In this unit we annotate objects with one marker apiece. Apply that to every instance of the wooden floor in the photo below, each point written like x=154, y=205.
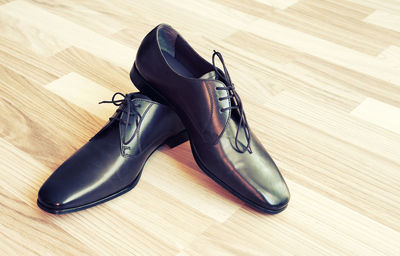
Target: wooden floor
x=320, y=80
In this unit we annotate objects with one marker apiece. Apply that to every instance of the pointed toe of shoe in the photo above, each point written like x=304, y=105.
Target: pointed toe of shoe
x=267, y=189
x=51, y=200
x=57, y=197
x=276, y=200
x=68, y=189
x=271, y=200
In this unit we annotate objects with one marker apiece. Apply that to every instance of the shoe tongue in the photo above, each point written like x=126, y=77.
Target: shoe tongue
x=137, y=95
x=209, y=75
x=212, y=75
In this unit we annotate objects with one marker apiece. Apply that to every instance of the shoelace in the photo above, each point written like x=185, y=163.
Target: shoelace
x=232, y=94
x=126, y=101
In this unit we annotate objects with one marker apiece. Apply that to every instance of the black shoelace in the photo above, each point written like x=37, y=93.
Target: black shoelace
x=126, y=102
x=233, y=96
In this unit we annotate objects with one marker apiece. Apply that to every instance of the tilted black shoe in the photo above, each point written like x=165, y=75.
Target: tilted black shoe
x=111, y=163
x=169, y=70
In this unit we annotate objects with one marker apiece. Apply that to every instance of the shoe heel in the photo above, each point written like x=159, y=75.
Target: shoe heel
x=144, y=86
x=177, y=139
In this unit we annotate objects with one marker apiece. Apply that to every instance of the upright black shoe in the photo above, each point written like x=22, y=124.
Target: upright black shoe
x=111, y=163
x=169, y=70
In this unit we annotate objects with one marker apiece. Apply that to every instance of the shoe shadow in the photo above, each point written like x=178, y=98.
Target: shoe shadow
x=183, y=155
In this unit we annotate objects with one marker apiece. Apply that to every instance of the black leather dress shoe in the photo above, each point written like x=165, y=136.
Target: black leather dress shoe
x=111, y=163
x=169, y=70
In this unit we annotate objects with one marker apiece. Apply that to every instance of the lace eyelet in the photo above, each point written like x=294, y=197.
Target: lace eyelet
x=127, y=107
x=221, y=110
x=237, y=103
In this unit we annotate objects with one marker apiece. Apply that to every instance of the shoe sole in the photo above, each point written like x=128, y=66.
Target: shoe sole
x=83, y=207
x=170, y=142
x=149, y=91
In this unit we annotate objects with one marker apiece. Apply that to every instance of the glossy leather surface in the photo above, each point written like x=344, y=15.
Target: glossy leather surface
x=104, y=167
x=252, y=177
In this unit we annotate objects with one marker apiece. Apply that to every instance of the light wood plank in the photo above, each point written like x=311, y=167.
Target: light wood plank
x=77, y=12
x=116, y=79
x=325, y=50
x=391, y=55
x=377, y=141
x=84, y=93
x=22, y=61
x=379, y=113
x=69, y=32
x=392, y=6
x=278, y=4
x=39, y=127
x=32, y=38
x=384, y=19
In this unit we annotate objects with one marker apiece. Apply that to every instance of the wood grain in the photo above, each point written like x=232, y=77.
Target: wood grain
x=379, y=113
x=321, y=88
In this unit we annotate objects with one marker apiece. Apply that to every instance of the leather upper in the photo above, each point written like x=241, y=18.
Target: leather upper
x=173, y=69
x=197, y=96
x=104, y=165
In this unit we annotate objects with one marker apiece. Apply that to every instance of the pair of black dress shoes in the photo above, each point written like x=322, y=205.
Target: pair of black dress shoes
x=183, y=97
